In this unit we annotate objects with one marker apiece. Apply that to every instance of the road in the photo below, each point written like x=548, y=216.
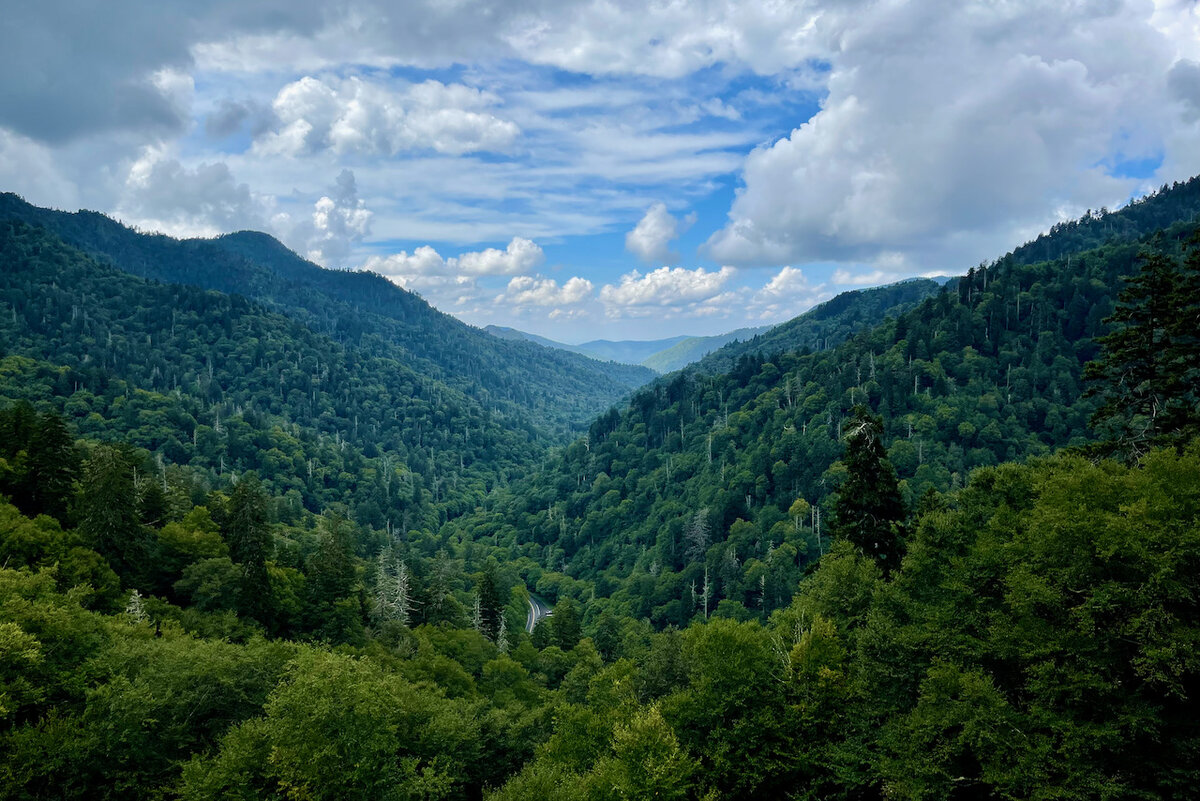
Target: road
x=538, y=609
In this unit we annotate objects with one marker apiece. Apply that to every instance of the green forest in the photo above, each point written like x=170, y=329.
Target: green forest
x=273, y=531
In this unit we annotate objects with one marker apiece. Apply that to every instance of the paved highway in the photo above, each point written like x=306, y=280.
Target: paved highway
x=538, y=609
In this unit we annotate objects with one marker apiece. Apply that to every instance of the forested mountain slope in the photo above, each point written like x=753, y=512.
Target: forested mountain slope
x=824, y=326
x=220, y=383
x=556, y=392
x=695, y=484
x=836, y=320
x=693, y=349
x=183, y=630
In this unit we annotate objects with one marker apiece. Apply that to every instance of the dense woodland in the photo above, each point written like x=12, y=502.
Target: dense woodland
x=943, y=550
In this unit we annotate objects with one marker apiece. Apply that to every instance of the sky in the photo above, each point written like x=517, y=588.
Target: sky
x=588, y=169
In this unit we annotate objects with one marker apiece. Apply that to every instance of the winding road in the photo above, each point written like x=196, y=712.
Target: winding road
x=538, y=609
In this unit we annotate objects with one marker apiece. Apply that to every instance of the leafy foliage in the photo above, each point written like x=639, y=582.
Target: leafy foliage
x=173, y=626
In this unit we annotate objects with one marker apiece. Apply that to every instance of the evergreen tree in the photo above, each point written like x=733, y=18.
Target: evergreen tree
x=1148, y=364
x=491, y=607
x=331, y=567
x=565, y=626
x=107, y=511
x=52, y=467
x=869, y=507
x=152, y=504
x=248, y=534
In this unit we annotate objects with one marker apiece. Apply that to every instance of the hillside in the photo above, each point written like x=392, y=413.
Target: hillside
x=222, y=384
x=556, y=392
x=660, y=355
x=692, y=349
x=826, y=325
x=694, y=482
x=173, y=626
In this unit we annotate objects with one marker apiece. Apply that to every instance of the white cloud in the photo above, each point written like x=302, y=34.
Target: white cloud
x=844, y=277
x=452, y=281
x=527, y=290
x=30, y=168
x=667, y=289
x=786, y=295
x=339, y=222
x=354, y=115
x=521, y=256
x=650, y=238
x=162, y=194
x=600, y=37
x=950, y=127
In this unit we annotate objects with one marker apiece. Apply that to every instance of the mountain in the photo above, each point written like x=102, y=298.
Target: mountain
x=504, y=332
x=629, y=351
x=220, y=384
x=660, y=355
x=692, y=349
x=723, y=626
x=695, y=481
x=826, y=325
x=556, y=393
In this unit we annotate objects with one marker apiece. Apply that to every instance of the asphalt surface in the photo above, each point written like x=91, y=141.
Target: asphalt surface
x=538, y=609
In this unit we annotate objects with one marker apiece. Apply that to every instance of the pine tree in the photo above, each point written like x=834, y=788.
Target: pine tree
x=491, y=605
x=107, y=511
x=331, y=567
x=249, y=537
x=392, y=598
x=869, y=507
x=1143, y=366
x=441, y=607
x=53, y=466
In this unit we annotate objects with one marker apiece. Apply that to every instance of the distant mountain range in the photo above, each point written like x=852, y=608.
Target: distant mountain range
x=660, y=355
x=823, y=327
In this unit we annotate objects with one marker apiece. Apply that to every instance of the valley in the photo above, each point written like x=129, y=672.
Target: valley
x=275, y=530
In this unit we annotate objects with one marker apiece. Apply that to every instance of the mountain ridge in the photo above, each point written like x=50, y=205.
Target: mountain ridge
x=559, y=393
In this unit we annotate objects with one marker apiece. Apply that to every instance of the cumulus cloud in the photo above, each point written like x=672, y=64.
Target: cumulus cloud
x=339, y=222
x=947, y=128
x=453, y=280
x=527, y=290
x=651, y=237
x=354, y=115
x=520, y=256
x=667, y=289
x=163, y=194
x=787, y=294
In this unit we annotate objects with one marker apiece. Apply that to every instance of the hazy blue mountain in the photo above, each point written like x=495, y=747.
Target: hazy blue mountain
x=660, y=355
x=693, y=349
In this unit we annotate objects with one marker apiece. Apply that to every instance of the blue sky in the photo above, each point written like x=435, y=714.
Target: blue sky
x=590, y=169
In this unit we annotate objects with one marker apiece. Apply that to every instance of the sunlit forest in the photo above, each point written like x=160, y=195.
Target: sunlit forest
x=274, y=531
